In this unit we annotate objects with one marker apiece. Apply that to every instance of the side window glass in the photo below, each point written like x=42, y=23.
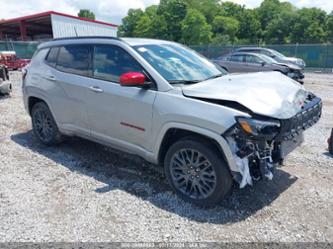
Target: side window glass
x=266, y=53
x=52, y=56
x=75, y=59
x=236, y=58
x=111, y=61
x=252, y=59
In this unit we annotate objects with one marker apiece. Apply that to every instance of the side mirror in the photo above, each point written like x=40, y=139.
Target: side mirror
x=133, y=79
x=263, y=63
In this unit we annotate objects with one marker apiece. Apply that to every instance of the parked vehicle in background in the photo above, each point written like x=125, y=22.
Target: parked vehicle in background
x=9, y=59
x=5, y=85
x=241, y=62
x=330, y=143
x=273, y=54
x=171, y=106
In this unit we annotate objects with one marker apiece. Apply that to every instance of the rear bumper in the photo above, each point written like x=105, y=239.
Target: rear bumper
x=5, y=87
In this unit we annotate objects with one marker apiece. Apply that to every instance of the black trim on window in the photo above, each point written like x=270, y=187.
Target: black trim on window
x=73, y=70
x=148, y=76
x=56, y=59
x=153, y=85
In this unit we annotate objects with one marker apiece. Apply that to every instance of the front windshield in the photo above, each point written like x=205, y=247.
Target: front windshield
x=267, y=59
x=277, y=54
x=178, y=64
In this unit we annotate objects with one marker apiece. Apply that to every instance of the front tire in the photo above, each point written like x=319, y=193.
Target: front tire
x=197, y=172
x=44, y=126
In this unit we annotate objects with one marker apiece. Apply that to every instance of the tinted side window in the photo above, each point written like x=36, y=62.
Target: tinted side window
x=265, y=52
x=237, y=58
x=253, y=59
x=75, y=59
x=111, y=61
x=52, y=56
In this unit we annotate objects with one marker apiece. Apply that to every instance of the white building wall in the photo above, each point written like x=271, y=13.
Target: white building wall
x=63, y=26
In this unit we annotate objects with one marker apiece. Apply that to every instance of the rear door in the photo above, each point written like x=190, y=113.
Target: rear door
x=118, y=115
x=69, y=71
x=236, y=63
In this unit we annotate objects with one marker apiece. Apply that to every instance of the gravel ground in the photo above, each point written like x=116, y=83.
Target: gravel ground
x=82, y=191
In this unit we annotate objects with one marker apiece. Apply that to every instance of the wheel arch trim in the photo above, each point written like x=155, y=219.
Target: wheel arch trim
x=218, y=138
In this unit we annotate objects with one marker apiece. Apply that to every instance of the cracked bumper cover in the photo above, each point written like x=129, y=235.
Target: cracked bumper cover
x=289, y=137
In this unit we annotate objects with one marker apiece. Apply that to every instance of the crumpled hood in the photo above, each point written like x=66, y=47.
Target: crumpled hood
x=266, y=93
x=294, y=60
x=290, y=65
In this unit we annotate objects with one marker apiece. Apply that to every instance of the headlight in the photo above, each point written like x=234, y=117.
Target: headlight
x=259, y=128
x=300, y=62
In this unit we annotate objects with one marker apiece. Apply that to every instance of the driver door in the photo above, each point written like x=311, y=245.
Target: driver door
x=255, y=64
x=118, y=115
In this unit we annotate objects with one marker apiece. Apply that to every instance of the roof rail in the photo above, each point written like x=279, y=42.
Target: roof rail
x=85, y=37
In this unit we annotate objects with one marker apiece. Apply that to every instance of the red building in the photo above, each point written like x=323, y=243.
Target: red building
x=51, y=24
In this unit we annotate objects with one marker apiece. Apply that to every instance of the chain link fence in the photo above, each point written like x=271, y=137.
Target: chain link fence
x=317, y=56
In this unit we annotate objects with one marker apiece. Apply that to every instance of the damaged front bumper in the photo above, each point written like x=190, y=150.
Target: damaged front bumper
x=259, y=144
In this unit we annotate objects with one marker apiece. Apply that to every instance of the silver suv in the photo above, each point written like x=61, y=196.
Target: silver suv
x=171, y=106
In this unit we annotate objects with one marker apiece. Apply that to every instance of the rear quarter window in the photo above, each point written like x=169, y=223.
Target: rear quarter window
x=52, y=56
x=39, y=56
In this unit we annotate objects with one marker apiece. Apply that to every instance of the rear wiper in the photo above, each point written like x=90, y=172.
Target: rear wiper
x=184, y=81
x=214, y=76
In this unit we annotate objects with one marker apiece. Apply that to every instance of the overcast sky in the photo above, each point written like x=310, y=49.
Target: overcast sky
x=113, y=10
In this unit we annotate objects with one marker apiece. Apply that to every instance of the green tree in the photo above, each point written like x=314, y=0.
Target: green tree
x=151, y=25
x=225, y=25
x=249, y=27
x=329, y=27
x=278, y=30
x=231, y=9
x=268, y=10
x=209, y=8
x=130, y=22
x=195, y=30
x=229, y=23
x=173, y=12
x=85, y=13
x=309, y=26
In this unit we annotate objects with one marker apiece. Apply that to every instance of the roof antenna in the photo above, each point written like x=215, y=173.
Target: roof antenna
x=75, y=31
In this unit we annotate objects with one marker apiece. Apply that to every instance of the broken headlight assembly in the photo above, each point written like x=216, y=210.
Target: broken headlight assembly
x=259, y=129
x=252, y=144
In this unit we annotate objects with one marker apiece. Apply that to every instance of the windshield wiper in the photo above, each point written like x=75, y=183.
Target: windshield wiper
x=214, y=76
x=184, y=81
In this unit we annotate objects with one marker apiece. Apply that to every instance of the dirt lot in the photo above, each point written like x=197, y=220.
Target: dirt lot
x=82, y=191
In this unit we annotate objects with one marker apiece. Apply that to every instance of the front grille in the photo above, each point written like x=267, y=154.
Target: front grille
x=307, y=117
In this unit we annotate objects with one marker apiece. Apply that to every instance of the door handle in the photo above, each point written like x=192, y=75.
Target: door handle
x=50, y=77
x=96, y=89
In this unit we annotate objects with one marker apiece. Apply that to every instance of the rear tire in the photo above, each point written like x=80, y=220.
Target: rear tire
x=44, y=126
x=197, y=172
